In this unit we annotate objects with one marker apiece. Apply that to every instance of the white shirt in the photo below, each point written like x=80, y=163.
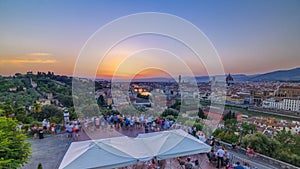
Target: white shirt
x=202, y=138
x=220, y=153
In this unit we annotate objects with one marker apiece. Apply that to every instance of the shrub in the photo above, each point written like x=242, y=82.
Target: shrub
x=40, y=166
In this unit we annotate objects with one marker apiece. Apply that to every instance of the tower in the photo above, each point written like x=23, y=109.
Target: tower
x=179, y=79
x=229, y=80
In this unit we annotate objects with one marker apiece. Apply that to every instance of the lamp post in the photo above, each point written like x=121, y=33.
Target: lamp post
x=241, y=136
x=66, y=116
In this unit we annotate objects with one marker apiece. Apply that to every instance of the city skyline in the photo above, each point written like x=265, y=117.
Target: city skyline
x=251, y=38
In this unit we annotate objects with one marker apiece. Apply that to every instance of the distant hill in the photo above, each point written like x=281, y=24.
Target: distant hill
x=280, y=75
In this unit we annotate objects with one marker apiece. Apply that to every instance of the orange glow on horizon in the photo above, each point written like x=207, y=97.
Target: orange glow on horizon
x=148, y=73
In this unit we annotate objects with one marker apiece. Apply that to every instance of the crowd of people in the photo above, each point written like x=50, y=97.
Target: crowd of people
x=118, y=121
x=222, y=157
x=218, y=154
x=46, y=127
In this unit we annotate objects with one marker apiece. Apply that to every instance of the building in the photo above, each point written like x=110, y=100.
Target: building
x=258, y=96
x=288, y=91
x=32, y=83
x=272, y=103
x=43, y=102
x=289, y=104
x=270, y=126
x=229, y=80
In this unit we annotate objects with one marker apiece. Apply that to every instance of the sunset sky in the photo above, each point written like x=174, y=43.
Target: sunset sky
x=251, y=36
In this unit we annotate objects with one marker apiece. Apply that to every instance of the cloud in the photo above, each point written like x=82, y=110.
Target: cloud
x=34, y=58
x=28, y=61
x=39, y=54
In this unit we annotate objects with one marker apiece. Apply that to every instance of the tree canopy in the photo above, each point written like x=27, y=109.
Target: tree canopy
x=14, y=150
x=201, y=114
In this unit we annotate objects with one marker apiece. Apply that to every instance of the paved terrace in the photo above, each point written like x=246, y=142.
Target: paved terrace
x=50, y=151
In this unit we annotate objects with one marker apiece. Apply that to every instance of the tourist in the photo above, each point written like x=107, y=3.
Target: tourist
x=147, y=128
x=69, y=128
x=202, y=137
x=57, y=128
x=246, y=165
x=238, y=166
x=162, y=164
x=52, y=129
x=97, y=122
x=220, y=154
x=228, y=166
x=138, y=122
x=180, y=161
x=188, y=164
x=233, y=145
x=250, y=152
x=212, y=142
x=44, y=124
x=102, y=120
x=76, y=128
x=211, y=155
x=35, y=131
x=152, y=165
x=197, y=164
x=48, y=126
x=131, y=123
x=41, y=133
x=140, y=165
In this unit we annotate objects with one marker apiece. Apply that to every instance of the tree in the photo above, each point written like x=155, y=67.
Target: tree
x=198, y=126
x=50, y=111
x=37, y=109
x=288, y=142
x=231, y=125
x=201, y=114
x=176, y=105
x=101, y=102
x=229, y=115
x=262, y=144
x=248, y=128
x=40, y=166
x=170, y=112
x=14, y=150
x=8, y=110
x=2, y=112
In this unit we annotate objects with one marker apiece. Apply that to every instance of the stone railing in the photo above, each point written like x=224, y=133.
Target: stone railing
x=259, y=158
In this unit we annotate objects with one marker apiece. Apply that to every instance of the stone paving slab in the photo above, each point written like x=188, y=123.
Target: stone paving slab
x=48, y=151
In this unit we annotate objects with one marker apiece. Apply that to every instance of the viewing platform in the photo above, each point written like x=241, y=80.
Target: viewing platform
x=50, y=151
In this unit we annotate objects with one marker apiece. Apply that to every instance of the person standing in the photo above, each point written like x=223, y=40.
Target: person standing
x=48, y=126
x=220, y=154
x=41, y=133
x=35, y=131
x=57, y=128
x=238, y=166
x=44, y=124
x=188, y=164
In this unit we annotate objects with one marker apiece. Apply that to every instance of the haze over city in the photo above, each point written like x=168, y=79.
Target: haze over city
x=250, y=37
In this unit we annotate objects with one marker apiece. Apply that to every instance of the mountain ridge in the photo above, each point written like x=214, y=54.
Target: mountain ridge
x=277, y=75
